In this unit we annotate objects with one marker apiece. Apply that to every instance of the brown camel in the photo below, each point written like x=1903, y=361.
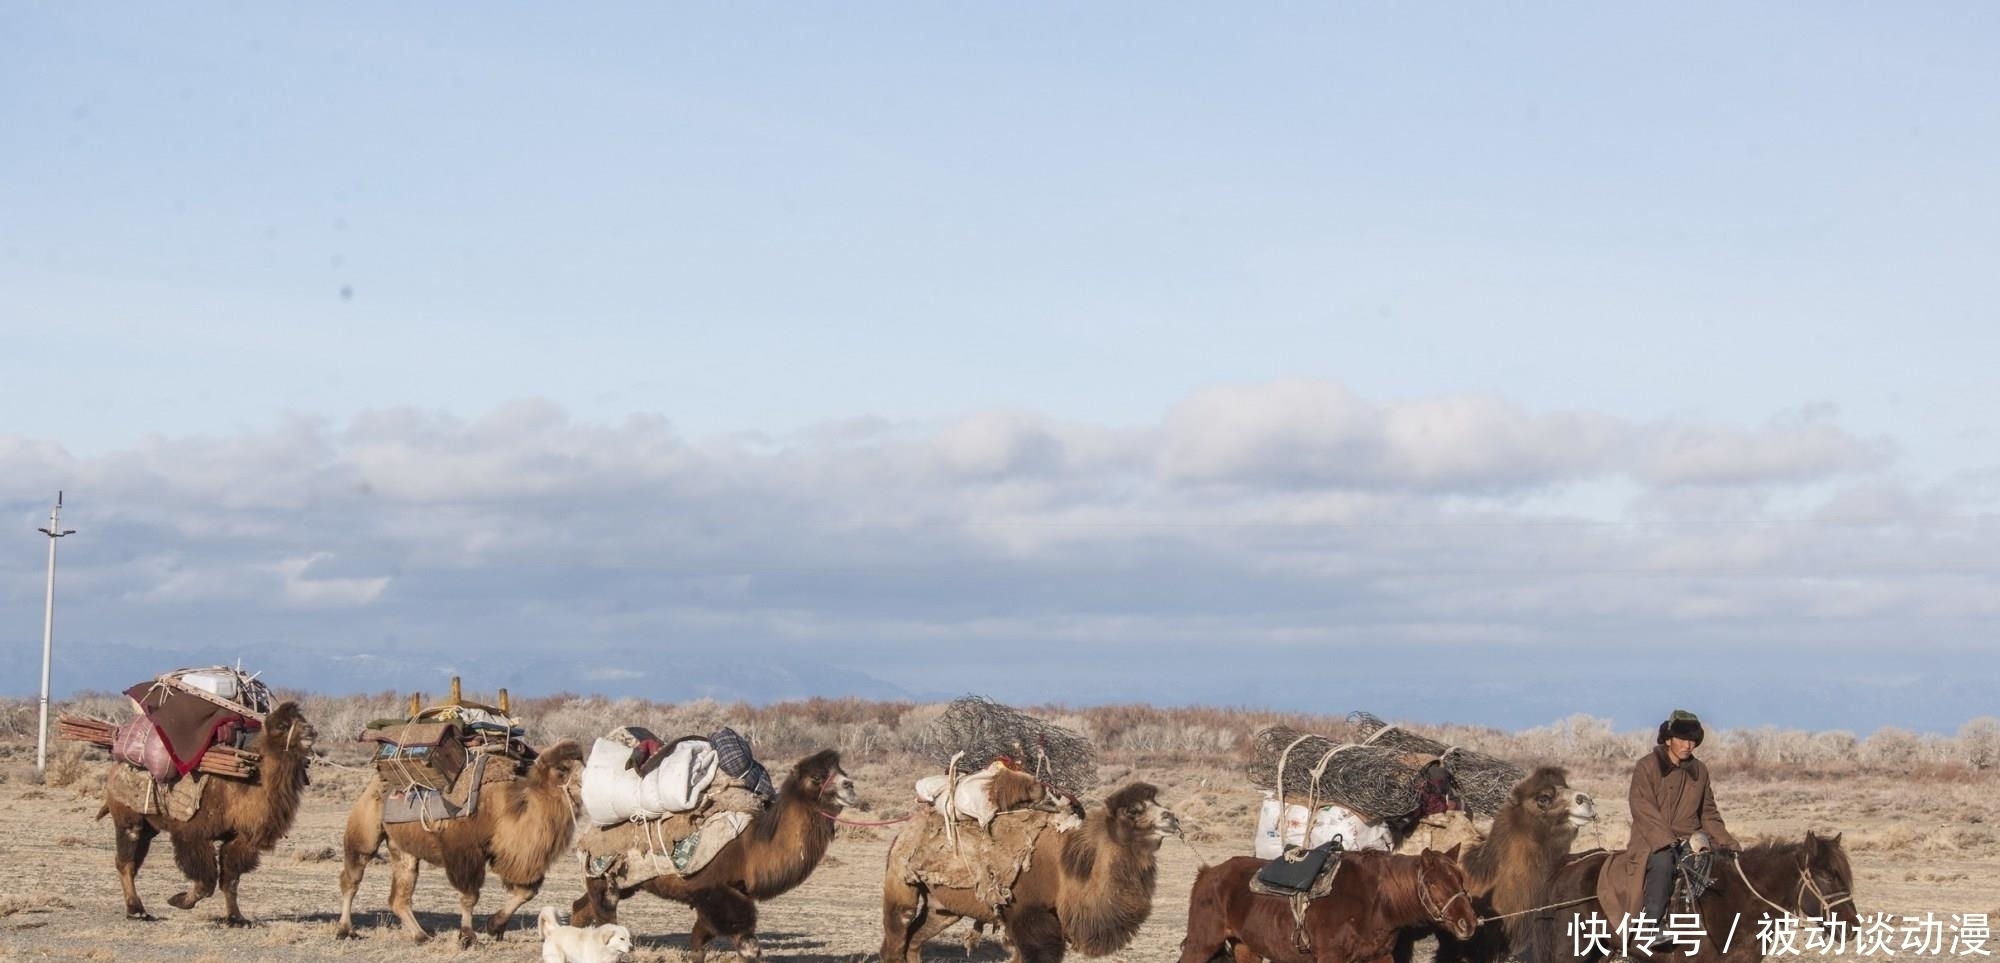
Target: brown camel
x=519, y=829
x=776, y=852
x=1506, y=873
x=237, y=821
x=1089, y=888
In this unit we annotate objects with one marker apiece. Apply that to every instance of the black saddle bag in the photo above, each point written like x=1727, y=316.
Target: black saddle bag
x=1295, y=870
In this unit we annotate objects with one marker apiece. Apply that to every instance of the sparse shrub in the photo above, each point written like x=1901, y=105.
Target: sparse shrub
x=66, y=765
x=1979, y=743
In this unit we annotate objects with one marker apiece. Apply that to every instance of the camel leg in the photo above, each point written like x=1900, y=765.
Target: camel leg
x=598, y=905
x=1038, y=936
x=135, y=840
x=903, y=910
x=234, y=858
x=517, y=894
x=359, y=844
x=698, y=939
x=403, y=882
x=197, y=860
x=931, y=924
x=723, y=912
x=467, y=876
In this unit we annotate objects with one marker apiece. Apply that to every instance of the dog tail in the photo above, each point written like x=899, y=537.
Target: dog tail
x=547, y=921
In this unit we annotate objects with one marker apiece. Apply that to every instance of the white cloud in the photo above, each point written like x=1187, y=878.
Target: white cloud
x=1801, y=447
x=1301, y=433
x=1290, y=513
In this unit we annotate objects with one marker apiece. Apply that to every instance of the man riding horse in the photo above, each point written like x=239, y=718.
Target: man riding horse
x=1672, y=803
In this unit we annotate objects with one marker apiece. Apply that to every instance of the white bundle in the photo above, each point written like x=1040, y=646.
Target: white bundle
x=613, y=794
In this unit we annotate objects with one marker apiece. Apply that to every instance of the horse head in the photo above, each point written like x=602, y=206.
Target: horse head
x=1826, y=881
x=1441, y=889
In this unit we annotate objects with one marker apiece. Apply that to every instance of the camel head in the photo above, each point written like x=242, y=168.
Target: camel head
x=1135, y=813
x=1546, y=795
x=560, y=765
x=1441, y=889
x=819, y=779
x=286, y=729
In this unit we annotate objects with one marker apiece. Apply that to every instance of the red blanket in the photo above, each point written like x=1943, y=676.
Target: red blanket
x=188, y=724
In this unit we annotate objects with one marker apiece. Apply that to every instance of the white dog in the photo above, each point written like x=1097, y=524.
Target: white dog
x=582, y=944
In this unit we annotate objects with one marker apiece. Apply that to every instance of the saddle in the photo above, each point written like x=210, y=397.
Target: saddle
x=1300, y=871
x=1300, y=875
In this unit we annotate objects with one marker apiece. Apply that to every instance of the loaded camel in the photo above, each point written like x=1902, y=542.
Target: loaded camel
x=237, y=820
x=521, y=826
x=1089, y=888
x=781, y=847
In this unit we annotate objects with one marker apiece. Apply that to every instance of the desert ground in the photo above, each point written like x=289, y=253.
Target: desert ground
x=1922, y=838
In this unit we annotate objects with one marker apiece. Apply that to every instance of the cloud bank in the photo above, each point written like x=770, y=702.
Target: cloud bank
x=1270, y=543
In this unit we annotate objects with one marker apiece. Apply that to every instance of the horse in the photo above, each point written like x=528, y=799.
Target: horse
x=1374, y=896
x=1810, y=879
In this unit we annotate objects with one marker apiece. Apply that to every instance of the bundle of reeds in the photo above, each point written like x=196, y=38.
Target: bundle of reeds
x=984, y=730
x=226, y=761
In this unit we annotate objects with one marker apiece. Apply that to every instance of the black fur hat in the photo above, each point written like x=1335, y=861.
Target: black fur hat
x=1683, y=724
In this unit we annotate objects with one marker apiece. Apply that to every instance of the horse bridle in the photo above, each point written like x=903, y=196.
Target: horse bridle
x=1806, y=885
x=1431, y=906
x=1826, y=902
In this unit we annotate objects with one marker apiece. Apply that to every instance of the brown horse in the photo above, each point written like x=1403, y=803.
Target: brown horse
x=1810, y=879
x=1375, y=895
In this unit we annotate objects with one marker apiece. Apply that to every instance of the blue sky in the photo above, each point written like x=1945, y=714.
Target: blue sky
x=916, y=345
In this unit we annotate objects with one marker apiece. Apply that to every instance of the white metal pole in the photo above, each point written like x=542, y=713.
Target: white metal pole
x=54, y=532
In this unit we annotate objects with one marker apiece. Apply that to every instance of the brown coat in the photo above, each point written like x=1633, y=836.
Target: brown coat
x=1669, y=803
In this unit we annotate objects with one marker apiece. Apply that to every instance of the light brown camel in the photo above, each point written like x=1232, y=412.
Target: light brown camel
x=777, y=851
x=237, y=820
x=1507, y=872
x=521, y=826
x=1089, y=888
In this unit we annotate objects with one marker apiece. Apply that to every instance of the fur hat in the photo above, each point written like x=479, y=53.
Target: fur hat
x=1682, y=724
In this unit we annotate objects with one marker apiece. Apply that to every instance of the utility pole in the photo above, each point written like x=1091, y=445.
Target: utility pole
x=54, y=531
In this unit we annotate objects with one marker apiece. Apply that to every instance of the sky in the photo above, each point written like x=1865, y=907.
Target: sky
x=1458, y=364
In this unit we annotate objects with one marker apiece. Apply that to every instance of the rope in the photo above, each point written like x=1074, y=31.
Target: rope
x=951, y=803
x=317, y=762
x=1537, y=909
x=1738, y=863
x=1198, y=854
x=867, y=822
x=1806, y=884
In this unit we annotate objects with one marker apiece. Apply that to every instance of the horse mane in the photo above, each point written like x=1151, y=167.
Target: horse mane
x=1772, y=866
x=1108, y=869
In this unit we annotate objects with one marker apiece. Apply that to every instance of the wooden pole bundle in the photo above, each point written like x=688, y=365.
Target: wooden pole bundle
x=227, y=761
